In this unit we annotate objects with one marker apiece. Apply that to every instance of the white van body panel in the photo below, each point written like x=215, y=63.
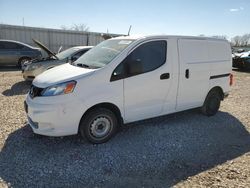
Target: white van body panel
x=145, y=94
x=137, y=97
x=203, y=59
x=193, y=57
x=60, y=74
x=170, y=100
x=220, y=54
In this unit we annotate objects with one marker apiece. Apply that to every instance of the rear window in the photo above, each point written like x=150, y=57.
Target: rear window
x=10, y=45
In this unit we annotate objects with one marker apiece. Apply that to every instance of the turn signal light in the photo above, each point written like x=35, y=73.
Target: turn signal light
x=69, y=88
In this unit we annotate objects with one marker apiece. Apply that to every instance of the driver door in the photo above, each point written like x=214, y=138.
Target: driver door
x=146, y=81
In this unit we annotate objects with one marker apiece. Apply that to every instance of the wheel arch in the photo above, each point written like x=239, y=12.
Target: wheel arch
x=110, y=106
x=22, y=57
x=217, y=89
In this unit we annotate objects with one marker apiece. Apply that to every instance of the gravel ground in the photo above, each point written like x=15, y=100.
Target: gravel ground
x=185, y=149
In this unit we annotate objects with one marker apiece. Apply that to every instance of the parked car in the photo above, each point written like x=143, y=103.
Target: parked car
x=241, y=60
x=33, y=68
x=127, y=79
x=16, y=53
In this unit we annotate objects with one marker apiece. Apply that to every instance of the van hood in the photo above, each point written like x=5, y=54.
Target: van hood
x=60, y=74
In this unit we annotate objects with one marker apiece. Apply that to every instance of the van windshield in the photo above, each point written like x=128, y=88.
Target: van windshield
x=102, y=54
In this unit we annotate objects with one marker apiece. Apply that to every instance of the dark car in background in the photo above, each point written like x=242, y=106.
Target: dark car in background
x=241, y=60
x=16, y=53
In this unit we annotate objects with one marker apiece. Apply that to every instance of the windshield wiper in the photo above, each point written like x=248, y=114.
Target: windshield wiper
x=82, y=65
x=86, y=66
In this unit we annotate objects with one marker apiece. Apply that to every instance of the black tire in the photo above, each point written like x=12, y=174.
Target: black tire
x=212, y=103
x=89, y=126
x=22, y=60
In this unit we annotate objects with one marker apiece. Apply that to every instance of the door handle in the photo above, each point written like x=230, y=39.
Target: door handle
x=165, y=76
x=187, y=73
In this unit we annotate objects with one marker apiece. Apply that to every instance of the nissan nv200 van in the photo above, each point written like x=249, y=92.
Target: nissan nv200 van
x=126, y=79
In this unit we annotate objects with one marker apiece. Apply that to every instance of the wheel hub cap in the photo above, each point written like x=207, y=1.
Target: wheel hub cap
x=100, y=127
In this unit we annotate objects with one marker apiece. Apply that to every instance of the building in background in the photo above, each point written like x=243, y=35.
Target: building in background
x=52, y=38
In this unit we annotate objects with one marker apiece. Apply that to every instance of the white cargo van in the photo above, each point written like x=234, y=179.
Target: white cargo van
x=127, y=79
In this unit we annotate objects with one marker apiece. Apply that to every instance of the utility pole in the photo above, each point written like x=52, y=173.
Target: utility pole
x=129, y=30
x=23, y=21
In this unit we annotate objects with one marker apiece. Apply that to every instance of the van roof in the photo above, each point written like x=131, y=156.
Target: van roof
x=137, y=37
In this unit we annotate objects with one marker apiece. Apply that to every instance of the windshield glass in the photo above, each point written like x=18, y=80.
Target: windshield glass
x=103, y=53
x=66, y=53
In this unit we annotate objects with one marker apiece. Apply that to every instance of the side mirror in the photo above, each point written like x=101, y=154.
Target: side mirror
x=73, y=58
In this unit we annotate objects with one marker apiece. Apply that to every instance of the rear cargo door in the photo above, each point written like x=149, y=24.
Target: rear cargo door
x=194, y=73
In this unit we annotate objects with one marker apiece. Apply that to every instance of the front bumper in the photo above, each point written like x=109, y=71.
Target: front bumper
x=56, y=119
x=28, y=75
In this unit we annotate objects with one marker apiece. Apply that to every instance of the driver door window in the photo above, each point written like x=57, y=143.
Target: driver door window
x=145, y=58
x=144, y=92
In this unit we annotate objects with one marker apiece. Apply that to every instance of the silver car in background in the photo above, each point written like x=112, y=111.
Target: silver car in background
x=33, y=68
x=16, y=53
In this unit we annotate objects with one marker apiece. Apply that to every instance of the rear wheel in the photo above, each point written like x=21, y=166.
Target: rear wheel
x=98, y=125
x=212, y=103
x=22, y=60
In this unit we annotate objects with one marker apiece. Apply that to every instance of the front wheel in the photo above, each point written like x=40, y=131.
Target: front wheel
x=22, y=61
x=98, y=125
x=211, y=104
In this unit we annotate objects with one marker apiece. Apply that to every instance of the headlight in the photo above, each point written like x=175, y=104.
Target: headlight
x=59, y=89
x=33, y=67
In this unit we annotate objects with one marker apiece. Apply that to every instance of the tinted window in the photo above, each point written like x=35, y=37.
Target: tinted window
x=78, y=54
x=119, y=72
x=147, y=57
x=1, y=45
x=11, y=45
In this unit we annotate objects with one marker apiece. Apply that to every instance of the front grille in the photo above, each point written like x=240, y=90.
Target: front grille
x=35, y=91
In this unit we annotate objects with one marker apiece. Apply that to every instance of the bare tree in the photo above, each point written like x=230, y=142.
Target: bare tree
x=236, y=41
x=63, y=27
x=76, y=27
x=243, y=40
x=106, y=36
x=80, y=27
